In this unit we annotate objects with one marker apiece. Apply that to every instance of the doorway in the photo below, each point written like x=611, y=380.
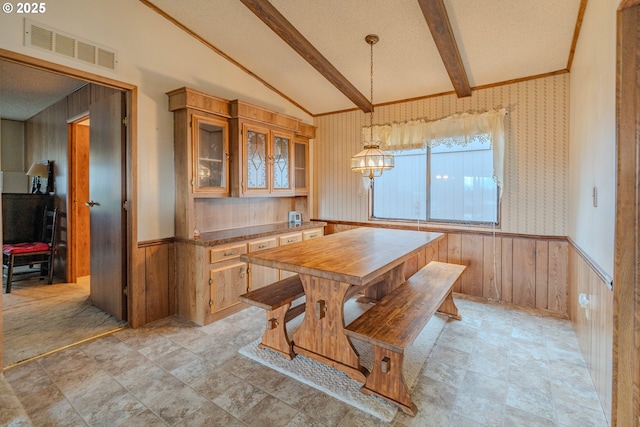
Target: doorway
x=78, y=267
x=79, y=261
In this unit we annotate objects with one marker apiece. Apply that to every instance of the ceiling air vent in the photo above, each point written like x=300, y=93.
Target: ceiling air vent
x=58, y=42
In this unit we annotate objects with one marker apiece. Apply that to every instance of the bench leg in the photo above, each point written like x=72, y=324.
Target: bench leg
x=449, y=307
x=275, y=334
x=386, y=380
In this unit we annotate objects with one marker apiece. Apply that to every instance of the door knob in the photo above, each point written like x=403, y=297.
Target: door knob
x=92, y=204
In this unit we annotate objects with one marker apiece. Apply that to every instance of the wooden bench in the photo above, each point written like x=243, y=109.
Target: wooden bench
x=276, y=299
x=396, y=320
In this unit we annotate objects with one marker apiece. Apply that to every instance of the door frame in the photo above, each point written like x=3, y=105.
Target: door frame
x=135, y=286
x=626, y=273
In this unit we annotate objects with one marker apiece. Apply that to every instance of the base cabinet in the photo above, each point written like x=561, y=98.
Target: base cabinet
x=259, y=275
x=227, y=281
x=210, y=279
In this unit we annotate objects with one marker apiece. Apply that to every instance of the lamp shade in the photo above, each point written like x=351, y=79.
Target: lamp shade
x=38, y=169
x=372, y=161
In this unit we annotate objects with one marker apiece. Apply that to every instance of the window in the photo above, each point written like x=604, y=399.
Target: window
x=446, y=170
x=442, y=184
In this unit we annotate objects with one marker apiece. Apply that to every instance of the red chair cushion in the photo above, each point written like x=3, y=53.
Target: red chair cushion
x=23, y=248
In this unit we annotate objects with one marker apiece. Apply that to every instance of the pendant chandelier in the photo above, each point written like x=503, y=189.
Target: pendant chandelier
x=372, y=160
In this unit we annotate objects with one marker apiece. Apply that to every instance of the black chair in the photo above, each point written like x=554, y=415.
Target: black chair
x=40, y=253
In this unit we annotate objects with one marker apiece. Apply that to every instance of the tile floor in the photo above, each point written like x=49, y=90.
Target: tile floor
x=499, y=366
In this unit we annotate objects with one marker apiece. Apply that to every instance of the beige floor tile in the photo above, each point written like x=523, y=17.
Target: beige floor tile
x=499, y=366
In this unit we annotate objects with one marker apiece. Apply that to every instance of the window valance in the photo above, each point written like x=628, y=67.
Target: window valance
x=457, y=129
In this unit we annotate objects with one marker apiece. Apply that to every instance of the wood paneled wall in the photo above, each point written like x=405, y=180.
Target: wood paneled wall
x=595, y=328
x=222, y=213
x=157, y=299
x=530, y=271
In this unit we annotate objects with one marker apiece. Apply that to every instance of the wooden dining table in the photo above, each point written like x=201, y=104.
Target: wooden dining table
x=334, y=268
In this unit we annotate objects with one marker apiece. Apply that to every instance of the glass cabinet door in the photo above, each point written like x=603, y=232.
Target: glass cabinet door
x=211, y=152
x=280, y=156
x=300, y=166
x=256, y=158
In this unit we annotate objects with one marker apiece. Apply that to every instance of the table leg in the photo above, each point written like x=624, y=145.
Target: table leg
x=321, y=335
x=384, y=285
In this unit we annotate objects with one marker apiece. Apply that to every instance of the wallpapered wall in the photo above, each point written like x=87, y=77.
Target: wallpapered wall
x=536, y=153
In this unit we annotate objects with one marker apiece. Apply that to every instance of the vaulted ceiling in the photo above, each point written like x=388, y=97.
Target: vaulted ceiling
x=313, y=52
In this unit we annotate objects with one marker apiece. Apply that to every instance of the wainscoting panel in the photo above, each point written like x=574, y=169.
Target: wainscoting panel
x=593, y=325
x=157, y=272
x=526, y=271
x=529, y=271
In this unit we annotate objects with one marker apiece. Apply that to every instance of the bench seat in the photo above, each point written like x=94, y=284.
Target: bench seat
x=276, y=299
x=396, y=320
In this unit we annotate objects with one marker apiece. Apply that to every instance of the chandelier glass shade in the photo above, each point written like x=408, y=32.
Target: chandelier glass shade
x=371, y=161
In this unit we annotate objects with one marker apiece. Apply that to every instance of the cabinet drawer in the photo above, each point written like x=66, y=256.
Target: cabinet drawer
x=312, y=234
x=263, y=244
x=290, y=238
x=228, y=252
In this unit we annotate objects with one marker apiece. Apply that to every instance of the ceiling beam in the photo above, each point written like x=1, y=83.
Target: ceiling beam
x=287, y=32
x=438, y=21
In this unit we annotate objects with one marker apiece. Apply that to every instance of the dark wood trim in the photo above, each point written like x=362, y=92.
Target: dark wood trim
x=289, y=34
x=219, y=52
x=156, y=242
x=423, y=227
x=625, y=409
x=576, y=32
x=436, y=95
x=437, y=19
x=592, y=264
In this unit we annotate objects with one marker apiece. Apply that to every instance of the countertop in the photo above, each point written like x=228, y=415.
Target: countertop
x=222, y=237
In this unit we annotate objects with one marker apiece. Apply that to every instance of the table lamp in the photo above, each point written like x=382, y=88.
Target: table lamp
x=36, y=171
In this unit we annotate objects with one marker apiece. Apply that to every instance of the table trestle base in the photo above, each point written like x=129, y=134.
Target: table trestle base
x=386, y=380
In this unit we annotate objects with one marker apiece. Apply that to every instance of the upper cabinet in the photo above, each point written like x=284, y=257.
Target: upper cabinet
x=301, y=165
x=268, y=157
x=210, y=173
x=232, y=148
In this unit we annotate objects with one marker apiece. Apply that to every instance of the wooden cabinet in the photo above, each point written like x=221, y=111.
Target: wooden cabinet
x=288, y=239
x=210, y=145
x=259, y=275
x=210, y=279
x=227, y=281
x=228, y=276
x=267, y=158
x=198, y=142
x=232, y=148
x=299, y=236
x=301, y=166
x=312, y=234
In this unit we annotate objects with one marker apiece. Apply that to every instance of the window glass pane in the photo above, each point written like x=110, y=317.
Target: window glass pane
x=401, y=193
x=451, y=184
x=462, y=185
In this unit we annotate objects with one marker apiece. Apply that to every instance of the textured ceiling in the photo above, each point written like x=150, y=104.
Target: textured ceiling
x=25, y=91
x=498, y=41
